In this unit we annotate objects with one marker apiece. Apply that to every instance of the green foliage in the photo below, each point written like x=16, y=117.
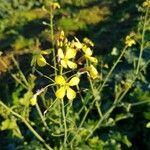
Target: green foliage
x=9, y=7
x=71, y=24
x=110, y=111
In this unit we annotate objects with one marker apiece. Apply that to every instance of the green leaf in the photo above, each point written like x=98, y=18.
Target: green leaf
x=126, y=141
x=148, y=125
x=123, y=116
x=10, y=124
x=25, y=100
x=96, y=144
x=5, y=124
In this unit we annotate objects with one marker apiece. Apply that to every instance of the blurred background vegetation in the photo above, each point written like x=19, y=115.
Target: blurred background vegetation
x=106, y=23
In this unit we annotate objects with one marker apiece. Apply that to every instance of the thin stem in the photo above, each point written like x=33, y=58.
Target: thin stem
x=140, y=103
x=100, y=88
x=45, y=76
x=50, y=106
x=13, y=76
x=81, y=123
x=19, y=81
x=22, y=75
x=65, y=124
x=41, y=116
x=107, y=114
x=142, y=42
x=52, y=38
x=82, y=100
x=28, y=125
x=97, y=104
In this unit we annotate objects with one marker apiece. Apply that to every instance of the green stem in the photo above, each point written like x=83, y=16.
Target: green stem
x=142, y=42
x=65, y=124
x=19, y=81
x=107, y=114
x=82, y=100
x=97, y=104
x=140, y=103
x=21, y=74
x=52, y=38
x=41, y=116
x=28, y=125
x=100, y=88
x=81, y=123
x=106, y=79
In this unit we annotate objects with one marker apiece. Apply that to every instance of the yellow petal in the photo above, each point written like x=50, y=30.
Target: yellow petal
x=71, y=94
x=93, y=59
x=88, y=41
x=62, y=35
x=74, y=81
x=130, y=42
x=55, y=5
x=88, y=52
x=60, y=93
x=71, y=64
x=64, y=63
x=77, y=44
x=70, y=53
x=41, y=61
x=60, y=80
x=60, y=53
x=33, y=100
x=93, y=72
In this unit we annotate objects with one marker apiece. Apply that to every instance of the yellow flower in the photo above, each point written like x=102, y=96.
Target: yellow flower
x=92, y=72
x=77, y=44
x=65, y=57
x=88, y=54
x=39, y=58
x=62, y=35
x=55, y=5
x=41, y=61
x=146, y=3
x=33, y=100
x=88, y=41
x=129, y=41
x=65, y=87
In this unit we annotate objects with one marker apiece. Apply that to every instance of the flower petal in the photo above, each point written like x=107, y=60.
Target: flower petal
x=88, y=41
x=41, y=61
x=77, y=44
x=88, y=52
x=33, y=100
x=93, y=59
x=62, y=35
x=93, y=72
x=64, y=63
x=60, y=53
x=60, y=93
x=70, y=53
x=71, y=64
x=71, y=94
x=74, y=81
x=60, y=80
